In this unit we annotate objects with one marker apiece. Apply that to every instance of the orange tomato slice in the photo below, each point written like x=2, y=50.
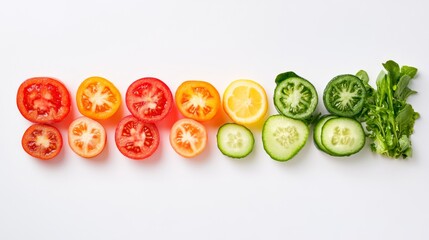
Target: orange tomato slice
x=97, y=98
x=197, y=100
x=188, y=137
x=87, y=137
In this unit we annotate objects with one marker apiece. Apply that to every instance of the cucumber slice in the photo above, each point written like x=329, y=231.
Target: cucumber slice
x=235, y=140
x=317, y=132
x=294, y=96
x=284, y=137
x=344, y=95
x=342, y=136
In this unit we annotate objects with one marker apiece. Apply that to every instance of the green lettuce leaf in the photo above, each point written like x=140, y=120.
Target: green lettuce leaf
x=389, y=118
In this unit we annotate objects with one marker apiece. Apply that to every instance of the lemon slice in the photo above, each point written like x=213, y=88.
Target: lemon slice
x=245, y=101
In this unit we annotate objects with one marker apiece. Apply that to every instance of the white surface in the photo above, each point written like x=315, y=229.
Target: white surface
x=313, y=196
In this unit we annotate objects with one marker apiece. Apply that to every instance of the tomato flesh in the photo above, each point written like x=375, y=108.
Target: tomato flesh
x=43, y=100
x=197, y=100
x=344, y=95
x=149, y=99
x=87, y=137
x=295, y=97
x=136, y=139
x=42, y=141
x=98, y=98
x=188, y=137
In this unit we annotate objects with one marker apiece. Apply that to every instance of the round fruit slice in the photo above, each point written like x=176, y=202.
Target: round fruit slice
x=235, y=140
x=188, y=137
x=344, y=95
x=245, y=101
x=284, y=137
x=42, y=141
x=294, y=96
x=136, y=139
x=97, y=98
x=87, y=137
x=149, y=99
x=43, y=100
x=197, y=100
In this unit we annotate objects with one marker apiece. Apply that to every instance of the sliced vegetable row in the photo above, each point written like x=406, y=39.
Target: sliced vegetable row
x=348, y=98
x=296, y=100
x=46, y=101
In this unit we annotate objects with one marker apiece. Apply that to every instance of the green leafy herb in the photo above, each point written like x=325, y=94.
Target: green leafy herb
x=389, y=118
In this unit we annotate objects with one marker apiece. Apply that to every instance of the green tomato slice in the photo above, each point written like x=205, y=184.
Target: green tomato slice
x=344, y=95
x=294, y=96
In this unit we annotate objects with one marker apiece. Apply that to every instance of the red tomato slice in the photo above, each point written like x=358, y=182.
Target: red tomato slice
x=149, y=99
x=42, y=141
x=136, y=139
x=87, y=137
x=43, y=100
x=188, y=137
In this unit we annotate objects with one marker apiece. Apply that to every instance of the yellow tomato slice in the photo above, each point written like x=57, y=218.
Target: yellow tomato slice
x=98, y=98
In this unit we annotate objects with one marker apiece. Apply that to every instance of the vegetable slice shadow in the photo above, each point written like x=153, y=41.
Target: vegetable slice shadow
x=113, y=121
x=153, y=160
x=169, y=120
x=55, y=162
x=218, y=120
x=101, y=158
x=359, y=158
x=65, y=123
x=252, y=158
x=301, y=158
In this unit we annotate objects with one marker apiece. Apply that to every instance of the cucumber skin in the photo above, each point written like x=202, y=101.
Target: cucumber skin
x=297, y=150
x=321, y=147
x=341, y=113
x=351, y=153
x=229, y=155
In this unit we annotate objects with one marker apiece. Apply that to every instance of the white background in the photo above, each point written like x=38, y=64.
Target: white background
x=313, y=196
